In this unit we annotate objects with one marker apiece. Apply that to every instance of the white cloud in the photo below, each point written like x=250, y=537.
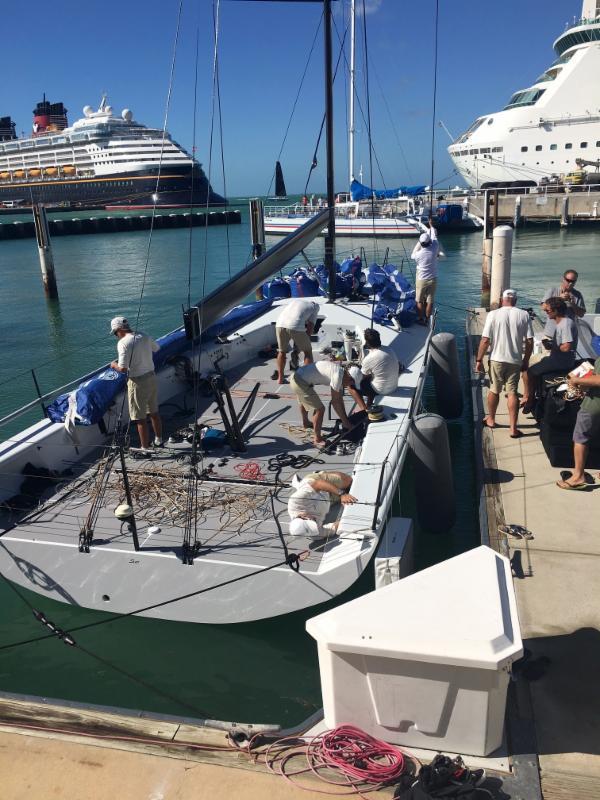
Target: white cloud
x=371, y=6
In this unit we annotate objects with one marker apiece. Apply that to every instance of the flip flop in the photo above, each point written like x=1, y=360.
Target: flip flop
x=517, y=435
x=485, y=425
x=516, y=531
x=578, y=487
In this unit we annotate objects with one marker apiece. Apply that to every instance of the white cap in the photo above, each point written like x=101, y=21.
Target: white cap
x=119, y=324
x=296, y=481
x=304, y=527
x=425, y=238
x=123, y=511
x=509, y=293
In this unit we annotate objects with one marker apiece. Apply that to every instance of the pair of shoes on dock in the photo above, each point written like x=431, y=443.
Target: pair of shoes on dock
x=515, y=531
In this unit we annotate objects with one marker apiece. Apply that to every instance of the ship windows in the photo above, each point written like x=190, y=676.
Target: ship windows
x=497, y=149
x=526, y=98
x=473, y=152
x=538, y=147
x=524, y=149
x=553, y=147
x=484, y=150
x=597, y=144
x=568, y=146
x=583, y=145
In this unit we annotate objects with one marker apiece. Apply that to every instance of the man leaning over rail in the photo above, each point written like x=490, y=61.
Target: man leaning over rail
x=135, y=360
x=311, y=500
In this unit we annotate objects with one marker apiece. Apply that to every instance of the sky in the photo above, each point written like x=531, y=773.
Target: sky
x=74, y=51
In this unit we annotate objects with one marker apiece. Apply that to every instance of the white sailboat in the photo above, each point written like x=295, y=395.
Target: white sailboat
x=207, y=537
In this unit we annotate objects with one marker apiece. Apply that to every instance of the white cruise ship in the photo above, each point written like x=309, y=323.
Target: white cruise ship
x=546, y=128
x=102, y=160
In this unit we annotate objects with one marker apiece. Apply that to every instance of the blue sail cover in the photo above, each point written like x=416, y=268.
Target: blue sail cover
x=358, y=191
x=93, y=397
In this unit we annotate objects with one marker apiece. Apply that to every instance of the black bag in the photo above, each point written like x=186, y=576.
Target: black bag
x=560, y=412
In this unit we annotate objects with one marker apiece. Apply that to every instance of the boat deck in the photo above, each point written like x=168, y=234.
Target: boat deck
x=241, y=498
x=554, y=707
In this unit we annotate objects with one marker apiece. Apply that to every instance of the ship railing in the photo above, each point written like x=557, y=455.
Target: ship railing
x=43, y=399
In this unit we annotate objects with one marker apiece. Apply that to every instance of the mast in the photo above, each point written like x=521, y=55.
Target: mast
x=351, y=99
x=330, y=237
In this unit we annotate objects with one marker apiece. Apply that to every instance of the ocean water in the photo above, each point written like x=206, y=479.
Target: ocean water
x=259, y=672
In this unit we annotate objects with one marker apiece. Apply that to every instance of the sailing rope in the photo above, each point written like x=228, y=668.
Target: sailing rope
x=433, y=126
x=370, y=140
x=315, y=161
x=291, y=117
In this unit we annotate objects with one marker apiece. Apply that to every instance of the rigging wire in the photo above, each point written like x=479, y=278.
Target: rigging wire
x=370, y=140
x=433, y=125
x=287, y=130
x=190, y=239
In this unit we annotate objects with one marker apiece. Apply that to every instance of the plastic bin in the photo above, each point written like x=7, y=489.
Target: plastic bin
x=424, y=662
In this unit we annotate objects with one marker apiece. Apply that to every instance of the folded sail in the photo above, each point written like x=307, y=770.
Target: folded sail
x=359, y=191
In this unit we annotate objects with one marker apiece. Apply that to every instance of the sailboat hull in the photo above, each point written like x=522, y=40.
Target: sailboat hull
x=366, y=227
x=240, y=570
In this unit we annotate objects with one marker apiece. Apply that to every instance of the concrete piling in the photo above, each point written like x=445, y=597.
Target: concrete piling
x=42, y=234
x=501, y=263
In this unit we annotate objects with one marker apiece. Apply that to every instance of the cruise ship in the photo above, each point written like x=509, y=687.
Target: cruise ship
x=102, y=160
x=551, y=127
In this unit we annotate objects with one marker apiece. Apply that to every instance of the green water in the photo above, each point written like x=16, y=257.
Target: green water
x=261, y=672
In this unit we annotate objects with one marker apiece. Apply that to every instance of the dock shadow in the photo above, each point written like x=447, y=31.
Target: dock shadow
x=564, y=696
x=497, y=475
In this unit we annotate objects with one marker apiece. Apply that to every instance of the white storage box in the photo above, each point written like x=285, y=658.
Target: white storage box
x=424, y=662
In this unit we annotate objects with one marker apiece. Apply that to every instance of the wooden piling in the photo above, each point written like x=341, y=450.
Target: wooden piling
x=486, y=264
x=42, y=234
x=564, y=213
x=257, y=233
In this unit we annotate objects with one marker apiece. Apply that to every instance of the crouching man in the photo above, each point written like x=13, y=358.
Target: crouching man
x=311, y=500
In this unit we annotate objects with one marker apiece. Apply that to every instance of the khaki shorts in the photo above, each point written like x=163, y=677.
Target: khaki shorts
x=332, y=477
x=301, y=341
x=426, y=290
x=306, y=394
x=503, y=374
x=142, y=396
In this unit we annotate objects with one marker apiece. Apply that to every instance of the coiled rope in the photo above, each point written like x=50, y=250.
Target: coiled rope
x=345, y=757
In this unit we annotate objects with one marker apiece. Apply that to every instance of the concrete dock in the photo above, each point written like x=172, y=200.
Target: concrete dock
x=565, y=207
x=554, y=708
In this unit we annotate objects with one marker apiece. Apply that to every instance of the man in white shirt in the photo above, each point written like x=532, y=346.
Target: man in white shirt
x=426, y=253
x=380, y=368
x=325, y=373
x=296, y=322
x=135, y=360
x=311, y=500
x=509, y=332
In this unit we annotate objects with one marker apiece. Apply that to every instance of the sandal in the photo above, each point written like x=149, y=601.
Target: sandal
x=572, y=487
x=516, y=531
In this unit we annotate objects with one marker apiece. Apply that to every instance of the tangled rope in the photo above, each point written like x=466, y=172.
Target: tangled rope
x=250, y=472
x=344, y=757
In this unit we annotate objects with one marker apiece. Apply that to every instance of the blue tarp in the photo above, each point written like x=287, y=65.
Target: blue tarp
x=94, y=396
x=395, y=294
x=358, y=191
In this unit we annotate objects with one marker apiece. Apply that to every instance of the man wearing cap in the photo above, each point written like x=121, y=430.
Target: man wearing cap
x=296, y=322
x=311, y=500
x=379, y=369
x=426, y=253
x=509, y=332
x=325, y=373
x=135, y=360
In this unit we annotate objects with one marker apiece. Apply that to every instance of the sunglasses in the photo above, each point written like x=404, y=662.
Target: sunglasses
x=570, y=280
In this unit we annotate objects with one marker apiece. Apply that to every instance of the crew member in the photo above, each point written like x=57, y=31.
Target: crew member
x=135, y=360
x=508, y=330
x=426, y=253
x=380, y=368
x=567, y=292
x=587, y=427
x=296, y=322
x=562, y=346
x=325, y=373
x=311, y=500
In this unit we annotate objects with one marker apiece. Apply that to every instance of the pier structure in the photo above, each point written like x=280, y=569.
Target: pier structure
x=66, y=226
x=553, y=717
x=517, y=206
